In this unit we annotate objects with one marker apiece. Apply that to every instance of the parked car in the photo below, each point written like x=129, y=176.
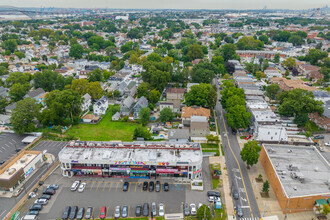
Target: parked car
x=161, y=209
x=33, y=213
x=157, y=186
x=213, y=193
x=320, y=149
x=89, y=212
x=41, y=201
x=73, y=212
x=153, y=209
x=319, y=137
x=124, y=212
x=125, y=186
x=145, y=209
x=145, y=186
x=166, y=187
x=138, y=210
x=239, y=211
x=214, y=199
x=327, y=144
x=49, y=192
x=117, y=211
x=53, y=186
x=75, y=185
x=66, y=212
x=151, y=186
x=103, y=212
x=35, y=207
x=248, y=137
x=186, y=210
x=82, y=187
x=235, y=194
x=80, y=214
x=44, y=196
x=200, y=205
x=193, y=210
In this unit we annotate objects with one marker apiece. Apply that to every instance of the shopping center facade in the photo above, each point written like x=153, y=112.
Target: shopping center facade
x=132, y=159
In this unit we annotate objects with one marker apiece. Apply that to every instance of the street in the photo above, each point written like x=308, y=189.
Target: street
x=238, y=176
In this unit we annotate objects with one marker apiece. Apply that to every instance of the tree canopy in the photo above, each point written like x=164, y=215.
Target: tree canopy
x=250, y=153
x=203, y=72
x=201, y=95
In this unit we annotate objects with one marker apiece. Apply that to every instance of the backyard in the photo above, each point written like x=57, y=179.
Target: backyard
x=105, y=130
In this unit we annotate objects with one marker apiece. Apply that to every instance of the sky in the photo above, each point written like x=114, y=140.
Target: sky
x=170, y=4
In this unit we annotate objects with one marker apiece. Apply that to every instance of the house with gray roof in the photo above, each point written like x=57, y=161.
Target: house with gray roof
x=100, y=106
x=126, y=106
x=179, y=135
x=9, y=109
x=141, y=103
x=86, y=102
x=3, y=92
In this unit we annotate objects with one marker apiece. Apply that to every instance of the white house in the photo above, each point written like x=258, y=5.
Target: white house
x=87, y=101
x=100, y=107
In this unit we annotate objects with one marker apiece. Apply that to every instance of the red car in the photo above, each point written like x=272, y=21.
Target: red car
x=103, y=212
x=248, y=137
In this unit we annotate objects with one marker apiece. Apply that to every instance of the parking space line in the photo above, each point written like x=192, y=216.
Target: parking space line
x=98, y=186
x=135, y=187
x=128, y=211
x=129, y=186
x=141, y=187
x=92, y=186
x=104, y=186
x=110, y=186
x=117, y=186
x=108, y=213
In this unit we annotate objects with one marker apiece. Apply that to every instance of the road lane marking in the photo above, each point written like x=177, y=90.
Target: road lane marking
x=110, y=186
x=239, y=167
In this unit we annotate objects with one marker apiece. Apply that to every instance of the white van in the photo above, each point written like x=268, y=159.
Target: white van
x=30, y=217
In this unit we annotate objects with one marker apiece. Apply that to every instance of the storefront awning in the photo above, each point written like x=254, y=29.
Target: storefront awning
x=320, y=202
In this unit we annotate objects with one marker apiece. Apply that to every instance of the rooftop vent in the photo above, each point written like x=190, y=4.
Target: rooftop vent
x=289, y=151
x=295, y=188
x=316, y=169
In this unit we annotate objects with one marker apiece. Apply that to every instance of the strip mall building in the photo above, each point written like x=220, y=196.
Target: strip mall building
x=132, y=159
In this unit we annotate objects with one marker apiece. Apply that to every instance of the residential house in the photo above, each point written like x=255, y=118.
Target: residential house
x=199, y=126
x=141, y=103
x=179, y=135
x=3, y=92
x=88, y=118
x=290, y=84
x=86, y=103
x=323, y=120
x=130, y=89
x=126, y=106
x=189, y=85
x=4, y=119
x=188, y=112
x=37, y=94
x=9, y=109
x=100, y=106
x=116, y=116
x=174, y=105
x=175, y=94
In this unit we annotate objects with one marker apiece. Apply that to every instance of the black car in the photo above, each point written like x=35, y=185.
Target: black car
x=49, y=192
x=73, y=212
x=44, y=196
x=213, y=193
x=138, y=210
x=35, y=208
x=18, y=150
x=53, y=186
x=125, y=186
x=145, y=209
x=166, y=187
x=235, y=194
x=157, y=186
x=151, y=186
x=145, y=186
x=80, y=214
x=66, y=212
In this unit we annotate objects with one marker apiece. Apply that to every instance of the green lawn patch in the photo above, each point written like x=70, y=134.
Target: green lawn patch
x=205, y=145
x=220, y=214
x=105, y=130
x=215, y=182
x=217, y=153
x=312, y=127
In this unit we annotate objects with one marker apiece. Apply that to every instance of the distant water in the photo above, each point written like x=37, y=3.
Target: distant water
x=13, y=17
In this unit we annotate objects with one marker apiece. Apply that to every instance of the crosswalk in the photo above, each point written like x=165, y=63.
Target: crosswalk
x=255, y=218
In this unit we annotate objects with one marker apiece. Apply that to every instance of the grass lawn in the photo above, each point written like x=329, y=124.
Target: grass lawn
x=220, y=214
x=105, y=130
x=215, y=150
x=204, y=145
x=312, y=127
x=215, y=182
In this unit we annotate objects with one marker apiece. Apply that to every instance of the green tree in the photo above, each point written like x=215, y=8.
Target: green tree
x=250, y=153
x=18, y=77
x=235, y=100
x=166, y=115
x=204, y=213
x=3, y=104
x=95, y=75
x=94, y=89
x=315, y=55
x=154, y=96
x=9, y=45
x=195, y=52
x=277, y=58
x=203, y=72
x=144, y=115
x=296, y=40
x=272, y=91
x=249, y=43
x=289, y=63
x=76, y=51
x=228, y=51
x=264, y=38
x=80, y=86
x=201, y=95
x=265, y=187
x=229, y=91
x=18, y=91
x=141, y=132
x=23, y=116
x=238, y=117
x=143, y=90
x=325, y=207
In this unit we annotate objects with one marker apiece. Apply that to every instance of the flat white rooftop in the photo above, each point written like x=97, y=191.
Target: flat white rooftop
x=265, y=116
x=150, y=153
x=295, y=163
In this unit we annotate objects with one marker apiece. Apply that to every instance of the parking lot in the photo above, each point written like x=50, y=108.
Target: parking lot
x=109, y=192
x=8, y=144
x=52, y=147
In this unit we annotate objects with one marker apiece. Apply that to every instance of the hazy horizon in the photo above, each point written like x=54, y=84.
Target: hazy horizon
x=171, y=4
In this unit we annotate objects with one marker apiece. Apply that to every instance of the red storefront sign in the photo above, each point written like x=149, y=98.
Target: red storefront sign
x=166, y=170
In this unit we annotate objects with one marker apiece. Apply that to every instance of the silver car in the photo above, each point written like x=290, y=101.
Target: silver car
x=161, y=209
x=124, y=212
x=153, y=209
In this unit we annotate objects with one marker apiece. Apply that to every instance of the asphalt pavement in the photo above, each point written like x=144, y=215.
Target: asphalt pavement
x=237, y=170
x=9, y=143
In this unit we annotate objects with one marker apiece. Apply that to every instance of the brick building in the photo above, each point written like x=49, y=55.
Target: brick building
x=323, y=120
x=298, y=175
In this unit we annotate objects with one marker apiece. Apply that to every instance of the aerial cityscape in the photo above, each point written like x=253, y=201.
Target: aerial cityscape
x=154, y=110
